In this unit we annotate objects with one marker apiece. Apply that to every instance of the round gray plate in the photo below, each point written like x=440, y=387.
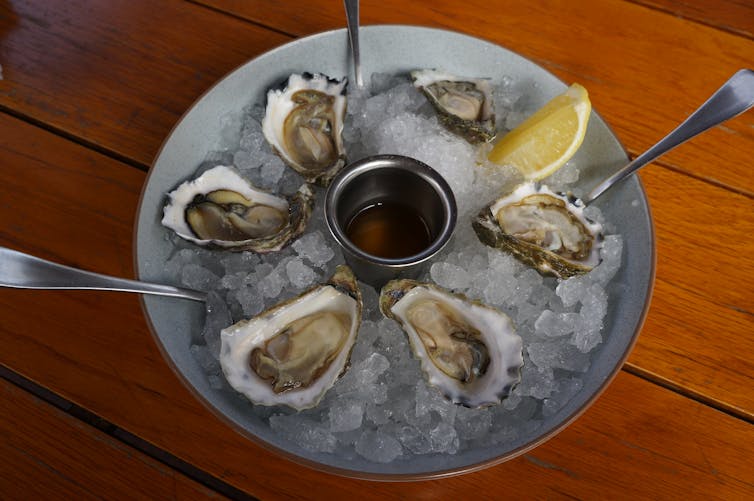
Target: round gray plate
x=177, y=324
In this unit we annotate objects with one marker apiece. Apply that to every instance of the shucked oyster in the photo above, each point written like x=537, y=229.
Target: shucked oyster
x=469, y=351
x=294, y=352
x=543, y=229
x=222, y=209
x=464, y=105
x=304, y=123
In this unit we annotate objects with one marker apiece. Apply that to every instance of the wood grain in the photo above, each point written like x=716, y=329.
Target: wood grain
x=645, y=70
x=46, y=454
x=736, y=16
x=117, y=75
x=701, y=238
x=94, y=349
x=699, y=348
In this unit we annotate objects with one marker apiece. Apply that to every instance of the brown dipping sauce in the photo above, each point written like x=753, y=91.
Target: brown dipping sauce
x=389, y=230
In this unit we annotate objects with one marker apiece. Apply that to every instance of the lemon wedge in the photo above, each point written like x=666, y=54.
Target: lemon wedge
x=545, y=141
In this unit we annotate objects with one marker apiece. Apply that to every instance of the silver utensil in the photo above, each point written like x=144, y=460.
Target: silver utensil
x=22, y=271
x=733, y=98
x=352, y=20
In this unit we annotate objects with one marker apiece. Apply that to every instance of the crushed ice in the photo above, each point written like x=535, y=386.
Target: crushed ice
x=381, y=409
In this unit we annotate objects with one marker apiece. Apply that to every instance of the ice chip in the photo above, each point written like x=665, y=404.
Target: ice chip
x=413, y=439
x=233, y=280
x=567, y=389
x=612, y=248
x=181, y=258
x=299, y=274
x=272, y=285
x=230, y=130
x=552, y=324
x=444, y=438
x=449, y=275
x=303, y=432
x=198, y=277
x=243, y=160
x=592, y=312
x=500, y=287
x=586, y=340
x=377, y=446
x=368, y=334
x=345, y=415
x=537, y=382
x=217, y=317
x=378, y=414
x=272, y=171
x=250, y=300
x=252, y=139
x=371, y=368
x=314, y=248
x=571, y=291
x=561, y=178
x=430, y=399
x=472, y=424
x=558, y=356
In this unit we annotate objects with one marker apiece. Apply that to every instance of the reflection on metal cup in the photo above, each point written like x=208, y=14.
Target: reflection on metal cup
x=385, y=185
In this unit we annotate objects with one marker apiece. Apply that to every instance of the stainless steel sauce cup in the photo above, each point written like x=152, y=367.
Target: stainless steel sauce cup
x=385, y=179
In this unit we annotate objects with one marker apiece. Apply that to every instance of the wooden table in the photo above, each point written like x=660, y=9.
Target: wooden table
x=91, y=88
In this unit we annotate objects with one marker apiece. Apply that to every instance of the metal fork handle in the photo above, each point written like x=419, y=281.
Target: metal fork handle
x=23, y=271
x=733, y=98
x=352, y=21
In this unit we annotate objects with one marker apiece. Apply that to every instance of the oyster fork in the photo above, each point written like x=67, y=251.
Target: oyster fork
x=23, y=271
x=730, y=100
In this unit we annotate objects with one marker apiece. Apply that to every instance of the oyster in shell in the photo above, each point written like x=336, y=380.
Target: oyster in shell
x=543, y=229
x=294, y=352
x=304, y=123
x=468, y=350
x=464, y=105
x=222, y=209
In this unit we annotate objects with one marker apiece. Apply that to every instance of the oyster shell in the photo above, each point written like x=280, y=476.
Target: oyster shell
x=543, y=229
x=468, y=350
x=294, y=352
x=304, y=123
x=464, y=105
x=222, y=209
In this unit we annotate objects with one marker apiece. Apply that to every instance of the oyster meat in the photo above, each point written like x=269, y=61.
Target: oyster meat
x=543, y=229
x=222, y=209
x=468, y=350
x=304, y=123
x=464, y=105
x=294, y=352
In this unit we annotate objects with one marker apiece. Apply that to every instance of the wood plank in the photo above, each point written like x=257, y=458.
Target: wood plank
x=654, y=72
x=698, y=347
x=619, y=433
x=736, y=16
x=117, y=75
x=47, y=454
x=702, y=243
x=78, y=350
